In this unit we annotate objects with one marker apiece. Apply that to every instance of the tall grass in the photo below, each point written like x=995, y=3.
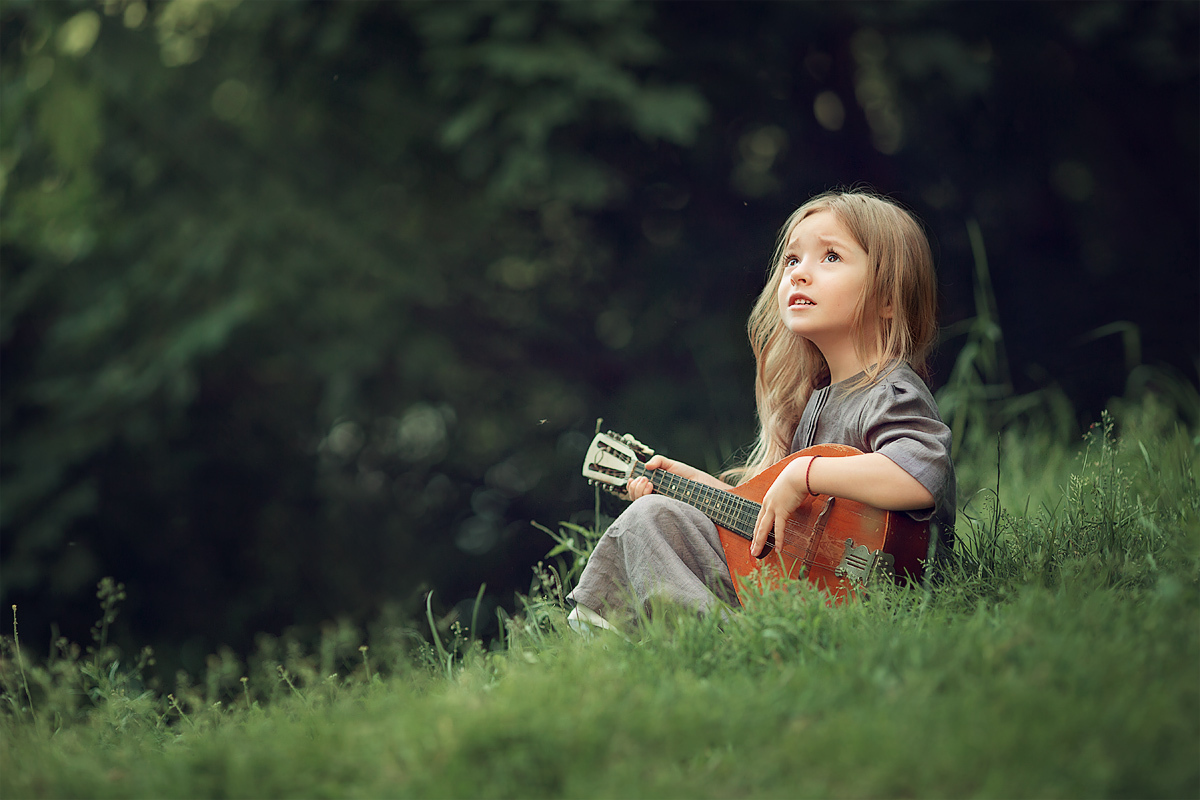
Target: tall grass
x=1057, y=658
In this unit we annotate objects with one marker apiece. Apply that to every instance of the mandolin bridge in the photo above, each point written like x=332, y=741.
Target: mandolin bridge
x=861, y=565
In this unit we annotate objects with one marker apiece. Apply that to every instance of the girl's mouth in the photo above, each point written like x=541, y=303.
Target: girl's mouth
x=800, y=301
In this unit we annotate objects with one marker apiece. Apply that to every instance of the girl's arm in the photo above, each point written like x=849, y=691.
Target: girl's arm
x=640, y=487
x=870, y=478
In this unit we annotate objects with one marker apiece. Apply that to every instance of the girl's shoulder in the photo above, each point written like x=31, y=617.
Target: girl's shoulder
x=901, y=379
x=899, y=391
x=895, y=380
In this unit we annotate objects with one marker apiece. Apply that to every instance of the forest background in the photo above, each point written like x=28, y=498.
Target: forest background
x=308, y=309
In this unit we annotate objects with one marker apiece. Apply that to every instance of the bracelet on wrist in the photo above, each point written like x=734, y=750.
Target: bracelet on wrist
x=807, y=472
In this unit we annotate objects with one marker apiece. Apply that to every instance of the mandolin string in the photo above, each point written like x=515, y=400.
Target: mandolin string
x=745, y=511
x=748, y=513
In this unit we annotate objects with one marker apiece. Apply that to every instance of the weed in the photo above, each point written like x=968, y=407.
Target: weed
x=21, y=663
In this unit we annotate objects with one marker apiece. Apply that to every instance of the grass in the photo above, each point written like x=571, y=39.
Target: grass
x=1067, y=694
x=1058, y=657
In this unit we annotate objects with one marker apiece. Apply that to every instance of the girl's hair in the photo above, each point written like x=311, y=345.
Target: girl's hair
x=901, y=276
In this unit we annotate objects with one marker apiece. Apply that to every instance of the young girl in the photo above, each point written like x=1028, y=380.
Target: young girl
x=839, y=333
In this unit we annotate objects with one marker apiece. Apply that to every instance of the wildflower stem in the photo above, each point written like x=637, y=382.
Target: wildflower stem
x=288, y=680
x=21, y=663
x=175, y=704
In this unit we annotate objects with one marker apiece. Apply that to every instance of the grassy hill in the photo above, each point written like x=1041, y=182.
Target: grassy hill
x=1058, y=657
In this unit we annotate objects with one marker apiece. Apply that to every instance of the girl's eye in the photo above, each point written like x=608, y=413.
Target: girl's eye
x=791, y=261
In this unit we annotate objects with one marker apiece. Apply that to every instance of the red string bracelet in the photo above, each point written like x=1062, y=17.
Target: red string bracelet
x=806, y=474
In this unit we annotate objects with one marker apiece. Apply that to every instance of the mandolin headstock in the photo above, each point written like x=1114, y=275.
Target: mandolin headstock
x=611, y=460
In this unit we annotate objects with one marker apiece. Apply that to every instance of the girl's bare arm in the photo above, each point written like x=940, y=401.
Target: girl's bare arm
x=870, y=478
x=640, y=487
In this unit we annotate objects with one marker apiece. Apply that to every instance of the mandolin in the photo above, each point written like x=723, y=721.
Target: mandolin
x=840, y=545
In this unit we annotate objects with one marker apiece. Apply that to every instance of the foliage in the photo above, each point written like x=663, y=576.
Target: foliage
x=236, y=350
x=307, y=307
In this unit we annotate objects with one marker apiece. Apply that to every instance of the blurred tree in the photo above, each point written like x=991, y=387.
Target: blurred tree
x=309, y=306
x=290, y=290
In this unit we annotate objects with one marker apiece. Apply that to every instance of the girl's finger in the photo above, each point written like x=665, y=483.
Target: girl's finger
x=780, y=525
x=640, y=487
x=761, y=526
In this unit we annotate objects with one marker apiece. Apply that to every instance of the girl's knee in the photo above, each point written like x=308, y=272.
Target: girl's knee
x=654, y=518
x=655, y=512
x=653, y=506
x=642, y=517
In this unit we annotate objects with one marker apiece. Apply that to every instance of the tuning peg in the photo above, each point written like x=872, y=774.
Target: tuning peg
x=644, y=452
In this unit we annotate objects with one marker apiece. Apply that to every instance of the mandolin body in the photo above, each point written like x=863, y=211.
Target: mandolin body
x=817, y=536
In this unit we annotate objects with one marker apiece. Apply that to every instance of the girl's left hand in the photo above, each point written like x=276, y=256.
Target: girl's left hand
x=780, y=502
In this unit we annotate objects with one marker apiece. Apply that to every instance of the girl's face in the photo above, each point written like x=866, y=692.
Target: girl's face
x=824, y=271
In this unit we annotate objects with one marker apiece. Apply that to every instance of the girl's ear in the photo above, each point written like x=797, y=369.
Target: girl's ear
x=886, y=311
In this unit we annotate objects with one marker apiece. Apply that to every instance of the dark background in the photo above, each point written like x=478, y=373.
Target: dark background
x=310, y=308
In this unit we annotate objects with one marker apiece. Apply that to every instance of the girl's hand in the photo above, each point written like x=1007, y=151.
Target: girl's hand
x=780, y=502
x=640, y=487
x=870, y=478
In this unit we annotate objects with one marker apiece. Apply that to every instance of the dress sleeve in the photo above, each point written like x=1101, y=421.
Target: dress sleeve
x=903, y=423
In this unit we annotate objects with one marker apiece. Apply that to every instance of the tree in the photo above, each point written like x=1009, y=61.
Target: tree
x=309, y=307
x=289, y=288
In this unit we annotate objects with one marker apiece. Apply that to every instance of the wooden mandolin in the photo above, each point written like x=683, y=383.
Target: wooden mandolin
x=840, y=545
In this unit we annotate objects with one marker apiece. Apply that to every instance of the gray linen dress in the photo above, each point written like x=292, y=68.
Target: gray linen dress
x=663, y=549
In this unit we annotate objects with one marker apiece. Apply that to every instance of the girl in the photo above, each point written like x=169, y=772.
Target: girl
x=839, y=333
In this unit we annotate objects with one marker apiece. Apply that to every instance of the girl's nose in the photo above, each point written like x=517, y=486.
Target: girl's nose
x=798, y=276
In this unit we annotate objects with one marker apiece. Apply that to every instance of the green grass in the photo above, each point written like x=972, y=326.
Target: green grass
x=1058, y=657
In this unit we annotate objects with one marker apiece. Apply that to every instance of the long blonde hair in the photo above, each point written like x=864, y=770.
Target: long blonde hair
x=901, y=277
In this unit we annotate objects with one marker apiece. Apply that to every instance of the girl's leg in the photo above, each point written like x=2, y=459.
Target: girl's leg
x=658, y=548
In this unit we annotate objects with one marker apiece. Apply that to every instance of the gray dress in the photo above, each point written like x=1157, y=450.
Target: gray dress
x=664, y=549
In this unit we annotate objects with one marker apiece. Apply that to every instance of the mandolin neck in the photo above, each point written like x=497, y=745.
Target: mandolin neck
x=722, y=507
